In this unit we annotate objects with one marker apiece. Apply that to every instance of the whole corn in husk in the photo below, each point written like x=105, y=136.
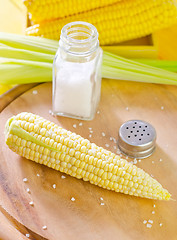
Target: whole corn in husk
x=44, y=142
x=122, y=21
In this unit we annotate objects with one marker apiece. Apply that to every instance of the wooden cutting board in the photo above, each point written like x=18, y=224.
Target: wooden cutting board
x=121, y=216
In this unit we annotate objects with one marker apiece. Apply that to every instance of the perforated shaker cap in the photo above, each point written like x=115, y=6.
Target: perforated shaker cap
x=137, y=139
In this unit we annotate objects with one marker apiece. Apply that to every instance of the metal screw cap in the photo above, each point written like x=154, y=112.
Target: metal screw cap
x=137, y=139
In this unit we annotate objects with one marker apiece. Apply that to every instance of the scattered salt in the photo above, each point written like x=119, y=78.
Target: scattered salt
x=27, y=235
x=148, y=225
x=73, y=199
x=150, y=221
x=160, y=160
x=98, y=112
x=37, y=175
x=120, y=155
x=90, y=128
x=162, y=107
x=35, y=92
x=144, y=221
x=160, y=224
x=63, y=177
x=28, y=190
x=135, y=161
x=114, y=140
x=126, y=108
x=126, y=157
x=111, y=138
x=91, y=131
x=25, y=179
x=139, y=160
x=51, y=113
x=44, y=227
x=152, y=161
x=107, y=145
x=154, y=205
x=115, y=147
x=31, y=203
x=90, y=135
x=54, y=186
x=153, y=212
x=80, y=124
x=101, y=203
x=103, y=134
x=101, y=198
x=74, y=125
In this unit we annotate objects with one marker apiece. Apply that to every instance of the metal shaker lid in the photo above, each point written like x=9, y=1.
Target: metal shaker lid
x=137, y=139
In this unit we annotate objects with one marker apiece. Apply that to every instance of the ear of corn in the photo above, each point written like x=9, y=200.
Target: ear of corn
x=118, y=22
x=46, y=143
x=46, y=10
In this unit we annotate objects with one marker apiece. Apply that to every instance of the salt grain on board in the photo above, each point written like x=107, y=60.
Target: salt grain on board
x=63, y=177
x=44, y=227
x=27, y=235
x=73, y=199
x=25, y=180
x=35, y=92
x=148, y=225
x=31, y=203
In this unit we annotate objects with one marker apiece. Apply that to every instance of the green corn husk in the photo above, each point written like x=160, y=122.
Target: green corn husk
x=25, y=59
x=164, y=64
x=15, y=71
x=23, y=54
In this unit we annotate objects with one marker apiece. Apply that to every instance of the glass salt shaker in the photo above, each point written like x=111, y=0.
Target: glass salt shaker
x=77, y=72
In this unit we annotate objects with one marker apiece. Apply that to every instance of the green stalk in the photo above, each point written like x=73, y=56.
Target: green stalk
x=15, y=71
x=37, y=44
x=164, y=64
x=9, y=52
x=29, y=59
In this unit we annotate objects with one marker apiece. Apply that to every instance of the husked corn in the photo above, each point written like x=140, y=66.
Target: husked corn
x=70, y=153
x=118, y=22
x=50, y=9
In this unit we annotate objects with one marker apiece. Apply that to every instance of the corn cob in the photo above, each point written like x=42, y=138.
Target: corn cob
x=46, y=143
x=45, y=10
x=119, y=22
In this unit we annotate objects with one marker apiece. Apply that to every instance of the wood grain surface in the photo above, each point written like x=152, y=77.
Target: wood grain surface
x=121, y=216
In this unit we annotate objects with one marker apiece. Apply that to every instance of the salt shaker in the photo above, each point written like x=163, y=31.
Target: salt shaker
x=77, y=72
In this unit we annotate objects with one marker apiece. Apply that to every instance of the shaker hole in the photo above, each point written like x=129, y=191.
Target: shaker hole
x=135, y=135
x=128, y=136
x=126, y=127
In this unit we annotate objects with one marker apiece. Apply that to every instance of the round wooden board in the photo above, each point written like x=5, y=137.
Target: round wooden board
x=121, y=216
